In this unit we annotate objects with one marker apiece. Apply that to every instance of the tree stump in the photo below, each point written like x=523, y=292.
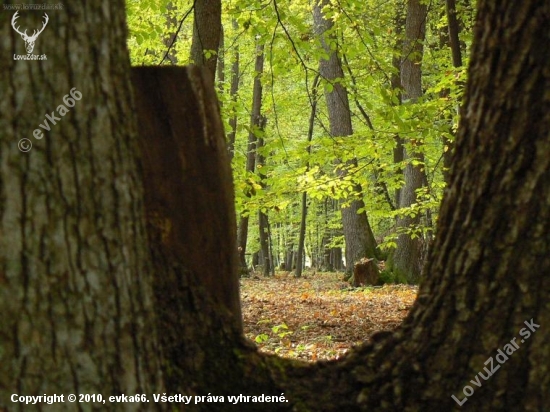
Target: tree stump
x=365, y=272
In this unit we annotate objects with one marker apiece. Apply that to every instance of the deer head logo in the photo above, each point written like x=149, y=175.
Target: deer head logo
x=29, y=40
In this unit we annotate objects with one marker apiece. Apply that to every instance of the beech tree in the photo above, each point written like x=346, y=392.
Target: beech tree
x=358, y=234
x=207, y=32
x=406, y=259
x=103, y=277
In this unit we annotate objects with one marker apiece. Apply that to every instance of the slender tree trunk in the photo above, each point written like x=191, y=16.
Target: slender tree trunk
x=263, y=218
x=255, y=124
x=358, y=234
x=406, y=259
x=76, y=292
x=303, y=214
x=301, y=236
x=233, y=92
x=456, y=53
x=221, y=62
x=207, y=29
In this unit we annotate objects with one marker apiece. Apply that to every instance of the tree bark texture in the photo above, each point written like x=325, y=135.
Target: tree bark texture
x=172, y=153
x=76, y=291
x=358, y=234
x=207, y=29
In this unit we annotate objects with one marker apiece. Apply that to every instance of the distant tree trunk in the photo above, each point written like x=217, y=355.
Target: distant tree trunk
x=289, y=258
x=406, y=259
x=76, y=294
x=255, y=124
x=397, y=88
x=263, y=218
x=221, y=62
x=303, y=214
x=456, y=53
x=301, y=236
x=358, y=234
x=233, y=92
x=206, y=34
x=171, y=23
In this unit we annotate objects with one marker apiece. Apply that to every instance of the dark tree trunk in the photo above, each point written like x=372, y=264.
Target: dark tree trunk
x=358, y=234
x=235, y=73
x=456, y=53
x=397, y=88
x=221, y=62
x=255, y=124
x=206, y=34
x=189, y=255
x=263, y=217
x=303, y=214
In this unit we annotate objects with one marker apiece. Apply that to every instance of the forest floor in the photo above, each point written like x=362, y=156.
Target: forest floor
x=318, y=316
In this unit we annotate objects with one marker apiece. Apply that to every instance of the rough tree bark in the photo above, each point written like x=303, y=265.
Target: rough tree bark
x=76, y=292
x=358, y=234
x=453, y=41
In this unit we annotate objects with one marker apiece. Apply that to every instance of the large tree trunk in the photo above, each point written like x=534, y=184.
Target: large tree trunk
x=358, y=234
x=76, y=293
x=195, y=267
